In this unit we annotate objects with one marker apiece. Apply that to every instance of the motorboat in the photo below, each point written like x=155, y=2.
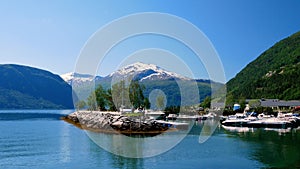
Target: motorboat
x=172, y=117
x=210, y=115
x=270, y=123
x=238, y=120
x=154, y=114
x=283, y=121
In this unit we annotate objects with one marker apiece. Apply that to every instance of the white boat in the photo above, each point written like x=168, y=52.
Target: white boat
x=276, y=123
x=271, y=122
x=210, y=115
x=154, y=114
x=238, y=129
x=264, y=116
x=172, y=117
x=283, y=121
x=176, y=125
x=238, y=122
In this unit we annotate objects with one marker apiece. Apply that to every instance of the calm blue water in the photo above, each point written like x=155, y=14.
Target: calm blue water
x=38, y=139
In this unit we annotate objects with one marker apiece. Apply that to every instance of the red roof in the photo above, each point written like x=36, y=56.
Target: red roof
x=297, y=108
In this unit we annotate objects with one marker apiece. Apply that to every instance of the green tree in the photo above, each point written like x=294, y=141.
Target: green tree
x=110, y=102
x=266, y=110
x=254, y=103
x=120, y=95
x=147, y=103
x=80, y=105
x=91, y=101
x=206, y=102
x=101, y=98
x=229, y=100
x=160, y=102
x=136, y=95
x=242, y=102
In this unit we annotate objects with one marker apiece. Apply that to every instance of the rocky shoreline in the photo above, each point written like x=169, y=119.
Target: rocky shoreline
x=115, y=123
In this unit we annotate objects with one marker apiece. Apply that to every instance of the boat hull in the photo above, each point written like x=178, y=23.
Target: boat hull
x=260, y=124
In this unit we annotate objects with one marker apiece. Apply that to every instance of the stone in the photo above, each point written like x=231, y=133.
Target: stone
x=99, y=120
x=117, y=124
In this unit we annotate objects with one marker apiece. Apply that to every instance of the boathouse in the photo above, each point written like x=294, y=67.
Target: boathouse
x=279, y=105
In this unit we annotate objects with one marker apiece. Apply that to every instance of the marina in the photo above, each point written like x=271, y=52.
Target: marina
x=52, y=143
x=261, y=121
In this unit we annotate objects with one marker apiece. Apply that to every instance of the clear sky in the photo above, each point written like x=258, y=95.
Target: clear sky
x=50, y=34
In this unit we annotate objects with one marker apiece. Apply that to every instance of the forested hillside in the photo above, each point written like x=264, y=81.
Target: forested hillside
x=274, y=74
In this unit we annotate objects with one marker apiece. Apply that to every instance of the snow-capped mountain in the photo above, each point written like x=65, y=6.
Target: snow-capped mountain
x=148, y=75
x=137, y=71
x=77, y=78
x=141, y=71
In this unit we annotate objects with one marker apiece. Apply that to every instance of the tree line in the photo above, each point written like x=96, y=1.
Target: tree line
x=118, y=96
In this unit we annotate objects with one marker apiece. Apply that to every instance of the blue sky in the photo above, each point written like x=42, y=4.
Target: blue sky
x=50, y=34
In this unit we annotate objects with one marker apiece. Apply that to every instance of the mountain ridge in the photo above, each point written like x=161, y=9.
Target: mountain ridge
x=139, y=71
x=152, y=77
x=24, y=87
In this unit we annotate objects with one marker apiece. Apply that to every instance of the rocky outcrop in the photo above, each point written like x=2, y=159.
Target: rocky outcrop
x=108, y=122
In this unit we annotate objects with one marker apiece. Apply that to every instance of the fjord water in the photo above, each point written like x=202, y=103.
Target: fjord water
x=39, y=139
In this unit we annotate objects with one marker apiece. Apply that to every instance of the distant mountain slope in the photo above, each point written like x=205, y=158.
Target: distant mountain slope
x=23, y=87
x=151, y=76
x=173, y=92
x=274, y=74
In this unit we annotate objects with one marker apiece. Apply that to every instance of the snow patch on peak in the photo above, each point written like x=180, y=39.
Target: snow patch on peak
x=77, y=77
x=135, y=67
x=150, y=76
x=140, y=68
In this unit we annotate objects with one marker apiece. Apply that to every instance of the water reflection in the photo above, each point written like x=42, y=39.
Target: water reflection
x=275, y=148
x=104, y=159
x=136, y=147
x=209, y=127
x=65, y=144
x=121, y=162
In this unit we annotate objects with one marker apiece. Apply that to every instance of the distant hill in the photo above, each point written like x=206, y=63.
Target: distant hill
x=23, y=87
x=151, y=76
x=274, y=74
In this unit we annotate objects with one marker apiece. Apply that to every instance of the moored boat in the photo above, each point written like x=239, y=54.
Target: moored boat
x=263, y=121
x=154, y=114
x=172, y=117
x=271, y=123
x=236, y=122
